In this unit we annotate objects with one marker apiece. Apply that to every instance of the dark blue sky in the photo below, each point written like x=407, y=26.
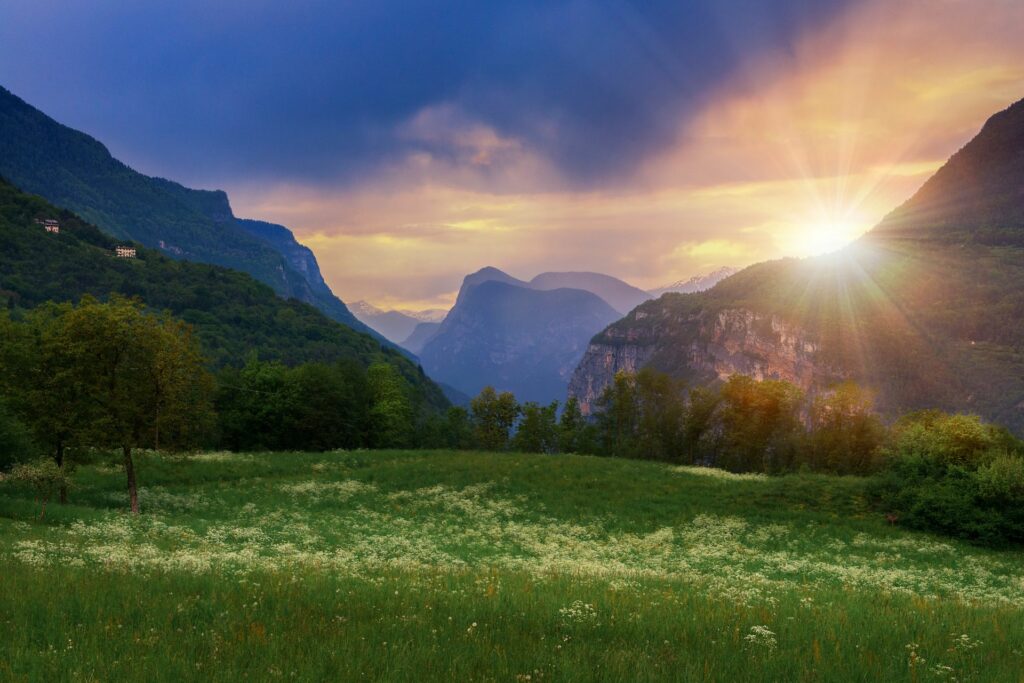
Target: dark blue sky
x=319, y=91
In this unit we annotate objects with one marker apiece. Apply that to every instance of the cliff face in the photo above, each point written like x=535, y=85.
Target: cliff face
x=702, y=346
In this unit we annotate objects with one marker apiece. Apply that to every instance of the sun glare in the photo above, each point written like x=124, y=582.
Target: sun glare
x=824, y=236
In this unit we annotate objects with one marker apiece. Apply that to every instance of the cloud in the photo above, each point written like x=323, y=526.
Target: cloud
x=788, y=156
x=326, y=91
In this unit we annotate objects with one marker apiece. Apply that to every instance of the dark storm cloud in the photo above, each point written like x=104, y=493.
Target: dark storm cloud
x=320, y=90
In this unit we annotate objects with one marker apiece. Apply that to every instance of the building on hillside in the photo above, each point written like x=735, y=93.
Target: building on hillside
x=124, y=252
x=51, y=226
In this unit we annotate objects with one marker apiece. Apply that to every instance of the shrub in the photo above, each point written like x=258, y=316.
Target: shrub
x=955, y=475
x=43, y=476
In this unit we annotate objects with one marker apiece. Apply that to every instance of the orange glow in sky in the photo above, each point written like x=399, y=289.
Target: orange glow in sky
x=796, y=156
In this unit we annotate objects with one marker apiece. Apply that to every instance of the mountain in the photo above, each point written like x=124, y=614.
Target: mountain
x=428, y=315
x=620, y=295
x=233, y=314
x=697, y=283
x=926, y=310
x=504, y=333
x=395, y=326
x=421, y=334
x=75, y=171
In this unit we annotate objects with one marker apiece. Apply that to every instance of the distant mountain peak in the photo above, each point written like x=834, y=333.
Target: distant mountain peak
x=697, y=283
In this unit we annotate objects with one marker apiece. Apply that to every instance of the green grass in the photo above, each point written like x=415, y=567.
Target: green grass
x=471, y=566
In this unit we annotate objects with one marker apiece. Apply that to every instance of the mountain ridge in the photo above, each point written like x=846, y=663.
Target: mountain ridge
x=76, y=171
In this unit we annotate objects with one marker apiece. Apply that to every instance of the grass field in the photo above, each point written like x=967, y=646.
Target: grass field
x=471, y=566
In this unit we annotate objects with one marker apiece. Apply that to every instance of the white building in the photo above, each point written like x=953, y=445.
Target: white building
x=51, y=226
x=124, y=252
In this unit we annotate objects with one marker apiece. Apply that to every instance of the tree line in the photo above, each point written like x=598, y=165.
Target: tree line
x=113, y=376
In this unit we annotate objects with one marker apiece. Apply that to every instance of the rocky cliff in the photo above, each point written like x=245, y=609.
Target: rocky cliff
x=703, y=346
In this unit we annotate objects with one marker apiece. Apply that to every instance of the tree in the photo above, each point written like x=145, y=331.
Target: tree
x=575, y=434
x=494, y=415
x=15, y=440
x=760, y=425
x=661, y=415
x=845, y=434
x=45, y=386
x=619, y=415
x=538, y=429
x=391, y=412
x=699, y=438
x=143, y=376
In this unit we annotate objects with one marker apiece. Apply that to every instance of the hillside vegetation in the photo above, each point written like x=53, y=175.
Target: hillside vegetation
x=471, y=566
x=235, y=316
x=77, y=172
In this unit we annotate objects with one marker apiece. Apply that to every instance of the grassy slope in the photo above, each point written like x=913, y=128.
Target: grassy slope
x=413, y=565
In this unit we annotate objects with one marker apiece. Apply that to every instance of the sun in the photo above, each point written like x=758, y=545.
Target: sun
x=825, y=235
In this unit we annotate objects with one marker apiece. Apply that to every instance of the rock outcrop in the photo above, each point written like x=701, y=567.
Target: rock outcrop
x=704, y=346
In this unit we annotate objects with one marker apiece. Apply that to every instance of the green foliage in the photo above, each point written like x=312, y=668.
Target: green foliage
x=107, y=375
x=956, y=475
x=759, y=425
x=494, y=415
x=316, y=406
x=538, y=430
x=453, y=430
x=15, y=440
x=575, y=433
x=662, y=413
x=391, y=414
x=845, y=432
x=618, y=416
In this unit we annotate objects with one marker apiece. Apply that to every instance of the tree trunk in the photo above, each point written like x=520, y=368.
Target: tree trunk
x=129, y=469
x=42, y=512
x=60, y=464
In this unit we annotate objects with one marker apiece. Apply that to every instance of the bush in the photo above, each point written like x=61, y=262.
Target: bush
x=956, y=475
x=44, y=477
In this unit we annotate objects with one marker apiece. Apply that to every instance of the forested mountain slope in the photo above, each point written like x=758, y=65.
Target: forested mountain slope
x=75, y=171
x=233, y=314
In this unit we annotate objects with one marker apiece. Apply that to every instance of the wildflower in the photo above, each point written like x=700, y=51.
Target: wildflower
x=761, y=637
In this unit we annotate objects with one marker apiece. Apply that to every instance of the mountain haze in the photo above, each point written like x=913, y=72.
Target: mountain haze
x=395, y=326
x=504, y=333
x=620, y=295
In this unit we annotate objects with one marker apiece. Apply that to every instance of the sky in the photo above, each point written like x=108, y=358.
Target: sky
x=409, y=143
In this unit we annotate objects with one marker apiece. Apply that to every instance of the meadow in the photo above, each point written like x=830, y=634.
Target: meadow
x=437, y=565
